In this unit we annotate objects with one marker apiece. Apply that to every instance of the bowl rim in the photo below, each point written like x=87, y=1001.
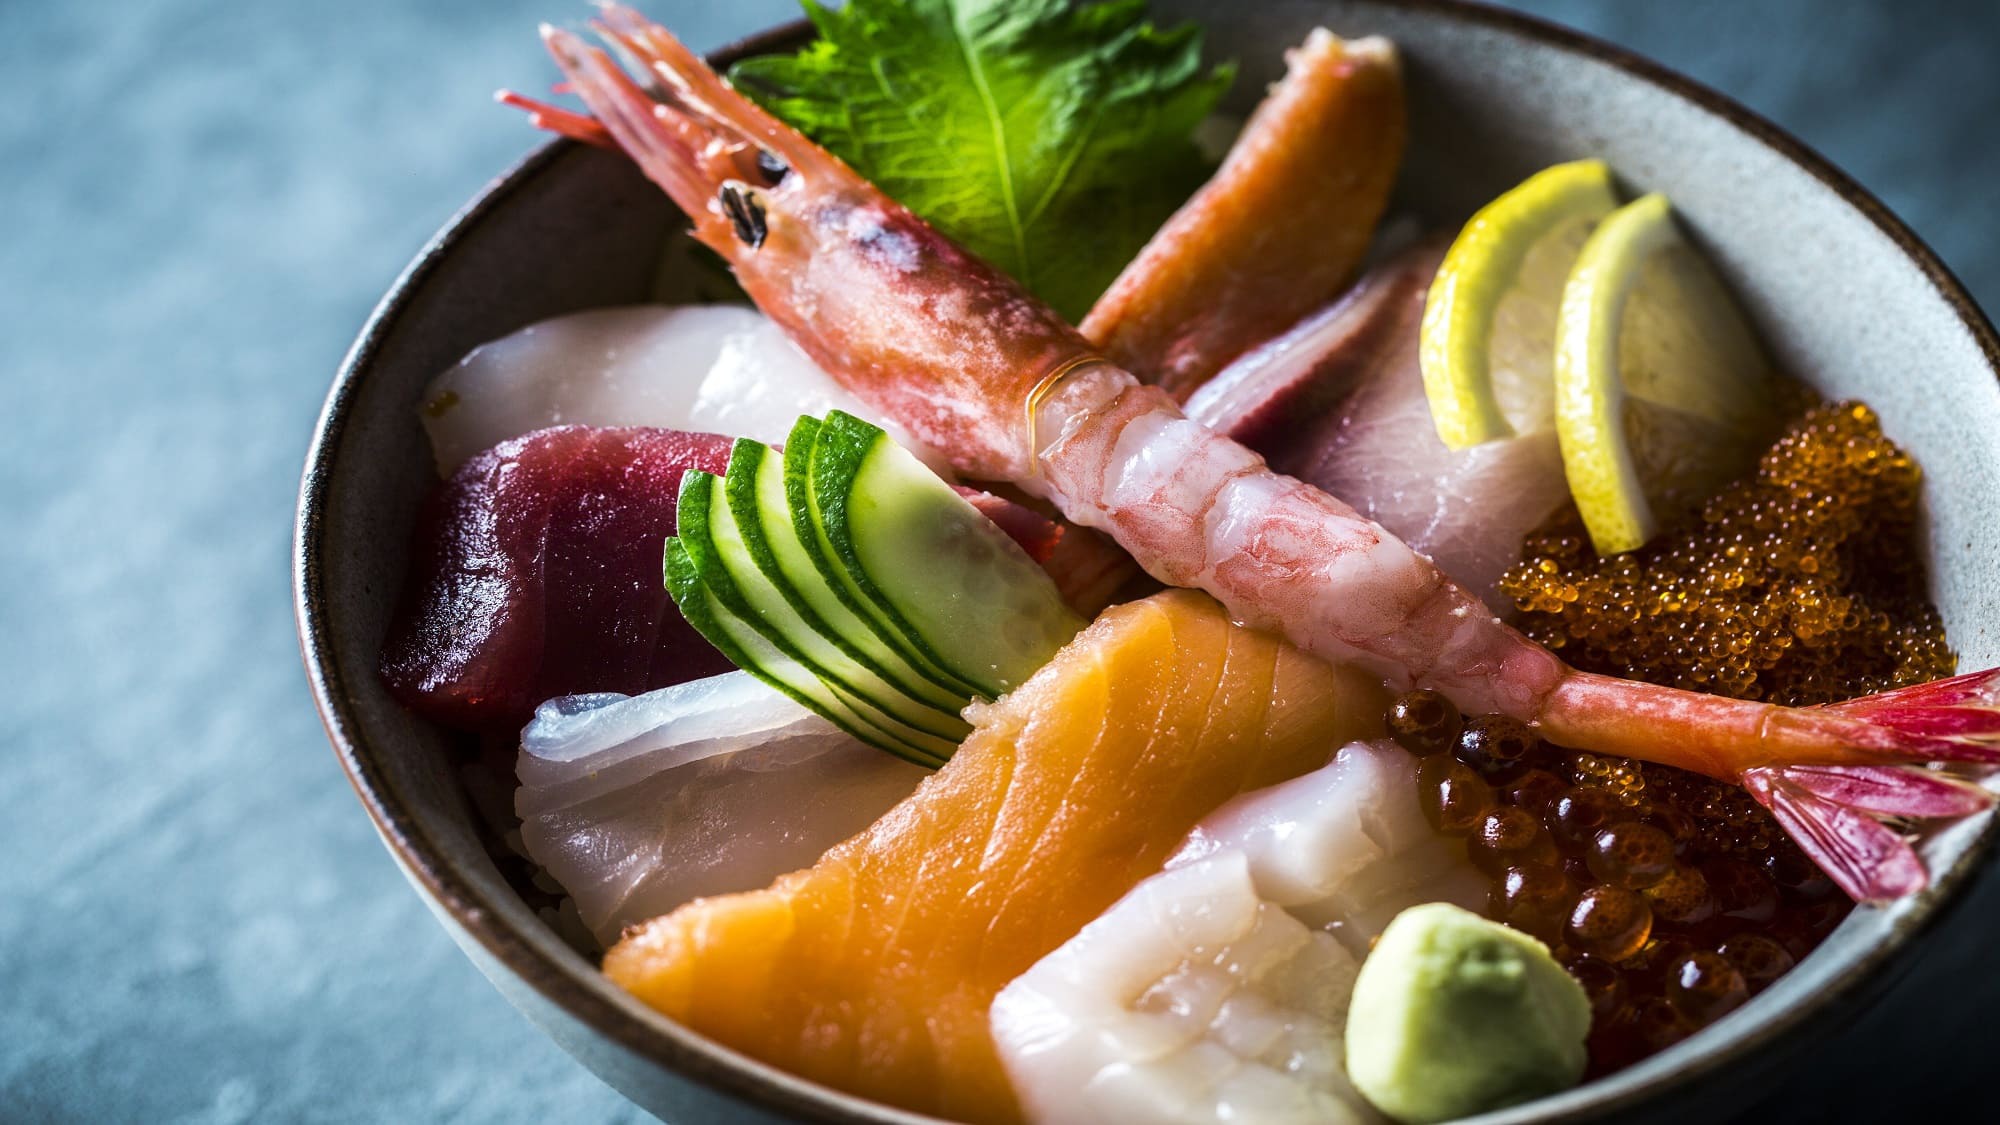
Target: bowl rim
x=720, y=1068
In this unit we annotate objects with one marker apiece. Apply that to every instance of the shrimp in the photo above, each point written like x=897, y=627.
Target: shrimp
x=975, y=367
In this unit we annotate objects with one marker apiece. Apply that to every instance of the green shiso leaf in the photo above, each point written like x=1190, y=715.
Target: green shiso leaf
x=1051, y=137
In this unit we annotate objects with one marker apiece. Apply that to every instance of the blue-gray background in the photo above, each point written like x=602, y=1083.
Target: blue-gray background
x=199, y=202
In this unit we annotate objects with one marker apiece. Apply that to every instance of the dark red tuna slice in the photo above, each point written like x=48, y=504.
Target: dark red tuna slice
x=1036, y=533
x=536, y=572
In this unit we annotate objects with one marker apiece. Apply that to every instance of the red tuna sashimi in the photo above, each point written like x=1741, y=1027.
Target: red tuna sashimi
x=536, y=572
x=1036, y=533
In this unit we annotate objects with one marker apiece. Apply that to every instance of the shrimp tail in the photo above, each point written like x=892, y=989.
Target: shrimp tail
x=1835, y=813
x=1841, y=779
x=1956, y=719
x=1846, y=819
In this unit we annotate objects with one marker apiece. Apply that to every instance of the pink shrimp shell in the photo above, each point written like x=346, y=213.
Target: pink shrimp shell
x=1197, y=509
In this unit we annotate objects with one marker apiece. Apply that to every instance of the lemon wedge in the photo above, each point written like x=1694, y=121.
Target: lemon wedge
x=1661, y=390
x=1506, y=268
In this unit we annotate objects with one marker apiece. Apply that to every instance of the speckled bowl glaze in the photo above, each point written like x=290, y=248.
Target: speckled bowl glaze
x=1845, y=295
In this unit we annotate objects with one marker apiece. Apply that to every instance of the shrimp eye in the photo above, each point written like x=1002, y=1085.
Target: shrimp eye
x=772, y=166
x=745, y=214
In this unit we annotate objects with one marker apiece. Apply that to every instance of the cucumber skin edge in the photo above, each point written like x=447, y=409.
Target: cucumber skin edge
x=740, y=489
x=685, y=586
x=694, y=522
x=843, y=444
x=801, y=454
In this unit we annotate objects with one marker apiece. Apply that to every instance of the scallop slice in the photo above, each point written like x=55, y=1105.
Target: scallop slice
x=1217, y=990
x=1190, y=1000
x=1345, y=848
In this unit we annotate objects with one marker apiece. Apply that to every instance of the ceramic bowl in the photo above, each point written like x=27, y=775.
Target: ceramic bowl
x=1843, y=292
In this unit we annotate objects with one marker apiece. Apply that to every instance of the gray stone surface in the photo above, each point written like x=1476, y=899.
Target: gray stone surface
x=202, y=200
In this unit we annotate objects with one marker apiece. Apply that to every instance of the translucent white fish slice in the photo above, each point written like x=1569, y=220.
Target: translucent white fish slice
x=722, y=369
x=1217, y=990
x=760, y=384
x=577, y=726
x=638, y=804
x=1339, y=401
x=1467, y=509
x=636, y=366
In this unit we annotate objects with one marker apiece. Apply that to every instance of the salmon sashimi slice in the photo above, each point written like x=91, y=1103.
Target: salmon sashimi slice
x=873, y=970
x=1278, y=231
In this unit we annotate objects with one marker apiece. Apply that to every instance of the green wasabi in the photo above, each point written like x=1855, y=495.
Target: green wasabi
x=1455, y=1015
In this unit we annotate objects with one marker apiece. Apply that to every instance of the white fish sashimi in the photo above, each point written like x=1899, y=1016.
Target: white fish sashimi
x=1339, y=402
x=1467, y=510
x=760, y=384
x=1217, y=990
x=693, y=714
x=636, y=366
x=637, y=804
x=722, y=369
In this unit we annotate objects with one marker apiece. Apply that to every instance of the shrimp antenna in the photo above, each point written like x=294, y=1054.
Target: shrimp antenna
x=562, y=122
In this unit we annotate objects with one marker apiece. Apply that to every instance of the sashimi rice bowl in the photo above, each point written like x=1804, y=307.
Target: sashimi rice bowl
x=1093, y=589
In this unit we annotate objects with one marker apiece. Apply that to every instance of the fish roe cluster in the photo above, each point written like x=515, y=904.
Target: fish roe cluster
x=1674, y=897
x=1667, y=923
x=1802, y=583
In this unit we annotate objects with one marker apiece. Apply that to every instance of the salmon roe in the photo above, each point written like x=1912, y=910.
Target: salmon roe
x=1675, y=897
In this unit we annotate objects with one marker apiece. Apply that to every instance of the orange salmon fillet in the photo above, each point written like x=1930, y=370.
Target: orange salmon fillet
x=1277, y=231
x=872, y=971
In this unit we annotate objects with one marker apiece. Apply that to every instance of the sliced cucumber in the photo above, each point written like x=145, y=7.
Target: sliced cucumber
x=848, y=576
x=750, y=651
x=754, y=490
x=944, y=575
x=852, y=596
x=713, y=542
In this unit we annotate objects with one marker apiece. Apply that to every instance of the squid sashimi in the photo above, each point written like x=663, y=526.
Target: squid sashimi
x=873, y=970
x=721, y=369
x=1339, y=402
x=537, y=574
x=637, y=804
x=1217, y=990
